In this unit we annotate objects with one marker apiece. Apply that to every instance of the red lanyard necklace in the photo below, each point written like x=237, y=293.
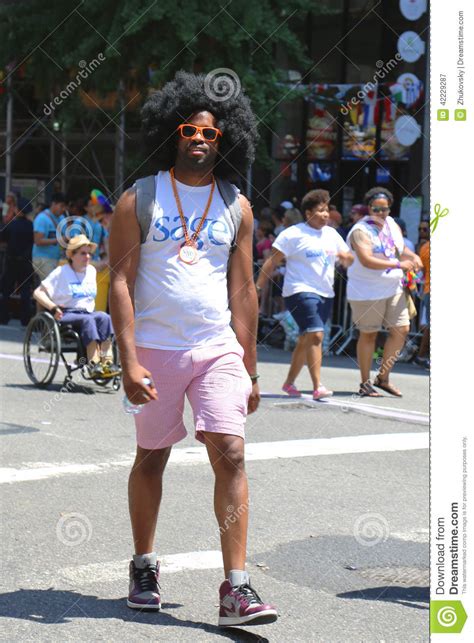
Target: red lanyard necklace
x=188, y=251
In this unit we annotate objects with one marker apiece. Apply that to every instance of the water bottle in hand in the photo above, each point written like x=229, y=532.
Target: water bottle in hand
x=133, y=409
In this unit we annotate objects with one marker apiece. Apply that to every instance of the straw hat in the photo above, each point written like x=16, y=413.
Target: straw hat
x=77, y=242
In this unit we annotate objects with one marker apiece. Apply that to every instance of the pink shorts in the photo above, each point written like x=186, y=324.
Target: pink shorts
x=217, y=386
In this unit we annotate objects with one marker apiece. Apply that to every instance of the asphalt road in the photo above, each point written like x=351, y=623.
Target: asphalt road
x=339, y=514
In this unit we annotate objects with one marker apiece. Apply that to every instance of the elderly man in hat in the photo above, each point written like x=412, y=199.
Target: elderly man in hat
x=68, y=293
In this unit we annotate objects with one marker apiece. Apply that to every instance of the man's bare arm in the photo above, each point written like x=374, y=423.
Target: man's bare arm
x=41, y=240
x=243, y=300
x=124, y=249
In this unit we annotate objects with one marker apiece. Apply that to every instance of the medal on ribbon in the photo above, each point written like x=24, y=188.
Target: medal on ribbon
x=188, y=253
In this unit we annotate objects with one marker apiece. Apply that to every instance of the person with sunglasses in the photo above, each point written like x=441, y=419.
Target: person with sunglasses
x=185, y=309
x=68, y=293
x=423, y=235
x=375, y=291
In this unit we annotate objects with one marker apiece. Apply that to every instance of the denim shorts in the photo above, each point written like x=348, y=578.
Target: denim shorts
x=309, y=310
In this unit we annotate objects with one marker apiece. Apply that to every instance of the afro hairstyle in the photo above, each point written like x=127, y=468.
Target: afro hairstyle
x=182, y=97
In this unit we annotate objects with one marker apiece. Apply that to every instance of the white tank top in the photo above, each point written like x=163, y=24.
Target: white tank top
x=180, y=306
x=366, y=284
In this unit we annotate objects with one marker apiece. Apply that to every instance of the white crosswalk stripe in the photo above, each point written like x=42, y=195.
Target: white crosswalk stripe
x=253, y=452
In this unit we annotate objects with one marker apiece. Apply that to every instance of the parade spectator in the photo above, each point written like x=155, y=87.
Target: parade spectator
x=277, y=220
x=423, y=234
x=265, y=214
x=422, y=358
x=335, y=221
x=403, y=227
x=18, y=236
x=286, y=205
x=68, y=292
x=374, y=289
x=265, y=237
x=311, y=250
x=10, y=208
x=46, y=249
x=292, y=217
x=88, y=223
x=358, y=212
x=9, y=211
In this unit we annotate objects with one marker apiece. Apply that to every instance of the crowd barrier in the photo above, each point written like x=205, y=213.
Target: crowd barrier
x=342, y=331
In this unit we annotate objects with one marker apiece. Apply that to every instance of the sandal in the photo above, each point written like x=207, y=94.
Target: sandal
x=385, y=386
x=367, y=390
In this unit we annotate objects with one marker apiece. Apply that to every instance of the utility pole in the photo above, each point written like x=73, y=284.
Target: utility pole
x=63, y=162
x=9, y=134
x=120, y=142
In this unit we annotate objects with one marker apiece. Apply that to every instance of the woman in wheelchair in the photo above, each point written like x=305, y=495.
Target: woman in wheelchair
x=68, y=293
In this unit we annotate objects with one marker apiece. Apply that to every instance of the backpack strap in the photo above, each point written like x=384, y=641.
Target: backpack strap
x=144, y=204
x=230, y=196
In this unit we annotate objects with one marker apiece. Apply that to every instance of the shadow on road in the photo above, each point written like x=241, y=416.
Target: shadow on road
x=54, y=606
x=58, y=387
x=407, y=596
x=6, y=428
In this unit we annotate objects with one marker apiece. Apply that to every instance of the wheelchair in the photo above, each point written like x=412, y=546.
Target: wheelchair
x=47, y=342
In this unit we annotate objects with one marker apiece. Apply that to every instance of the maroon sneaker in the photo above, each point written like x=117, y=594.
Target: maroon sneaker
x=241, y=605
x=144, y=590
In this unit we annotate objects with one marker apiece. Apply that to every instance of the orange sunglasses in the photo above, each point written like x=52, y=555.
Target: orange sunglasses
x=208, y=133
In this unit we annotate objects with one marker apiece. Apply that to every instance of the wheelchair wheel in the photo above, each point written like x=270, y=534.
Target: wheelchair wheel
x=42, y=349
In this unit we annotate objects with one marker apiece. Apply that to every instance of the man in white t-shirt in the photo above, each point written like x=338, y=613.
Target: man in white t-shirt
x=173, y=296
x=311, y=250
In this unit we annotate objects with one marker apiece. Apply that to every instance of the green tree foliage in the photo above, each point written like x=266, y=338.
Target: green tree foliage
x=146, y=41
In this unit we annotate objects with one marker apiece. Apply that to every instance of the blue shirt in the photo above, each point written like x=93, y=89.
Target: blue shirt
x=46, y=223
x=93, y=230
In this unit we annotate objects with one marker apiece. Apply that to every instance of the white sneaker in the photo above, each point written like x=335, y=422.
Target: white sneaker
x=322, y=392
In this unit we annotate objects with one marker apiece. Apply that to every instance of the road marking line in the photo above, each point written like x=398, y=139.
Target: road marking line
x=117, y=570
x=389, y=412
x=253, y=452
x=416, y=536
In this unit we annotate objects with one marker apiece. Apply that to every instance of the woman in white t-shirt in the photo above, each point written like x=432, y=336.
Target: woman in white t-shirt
x=374, y=288
x=311, y=250
x=69, y=292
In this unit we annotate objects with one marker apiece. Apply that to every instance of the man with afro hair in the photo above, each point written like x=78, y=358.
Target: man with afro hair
x=185, y=312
